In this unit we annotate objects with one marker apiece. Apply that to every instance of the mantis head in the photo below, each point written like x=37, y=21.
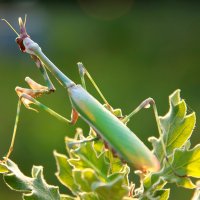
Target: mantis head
x=23, y=34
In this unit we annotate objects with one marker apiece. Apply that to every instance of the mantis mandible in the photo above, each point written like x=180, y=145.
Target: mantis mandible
x=110, y=128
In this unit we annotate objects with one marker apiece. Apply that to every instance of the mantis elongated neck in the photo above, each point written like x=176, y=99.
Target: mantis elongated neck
x=34, y=48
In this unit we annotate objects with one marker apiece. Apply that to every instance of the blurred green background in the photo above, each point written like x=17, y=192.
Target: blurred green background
x=133, y=49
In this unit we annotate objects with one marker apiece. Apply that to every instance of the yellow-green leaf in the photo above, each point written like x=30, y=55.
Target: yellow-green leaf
x=176, y=126
x=64, y=173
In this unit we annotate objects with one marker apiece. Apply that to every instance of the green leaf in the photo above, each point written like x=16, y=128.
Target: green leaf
x=64, y=173
x=115, y=163
x=15, y=179
x=112, y=190
x=94, y=172
x=186, y=164
x=90, y=160
x=85, y=178
x=176, y=126
x=33, y=188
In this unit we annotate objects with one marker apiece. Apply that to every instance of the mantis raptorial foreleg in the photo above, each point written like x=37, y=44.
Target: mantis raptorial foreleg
x=36, y=90
x=27, y=96
x=146, y=104
x=37, y=61
x=43, y=71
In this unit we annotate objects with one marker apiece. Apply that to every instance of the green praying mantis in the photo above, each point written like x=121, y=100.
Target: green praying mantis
x=103, y=119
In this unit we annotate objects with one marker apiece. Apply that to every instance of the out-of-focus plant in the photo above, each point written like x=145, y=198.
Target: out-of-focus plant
x=90, y=171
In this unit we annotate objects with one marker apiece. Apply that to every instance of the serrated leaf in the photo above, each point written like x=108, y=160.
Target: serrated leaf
x=114, y=162
x=85, y=178
x=94, y=170
x=90, y=182
x=113, y=190
x=186, y=164
x=89, y=160
x=15, y=179
x=98, y=147
x=176, y=126
x=33, y=188
x=154, y=181
x=64, y=173
x=125, y=170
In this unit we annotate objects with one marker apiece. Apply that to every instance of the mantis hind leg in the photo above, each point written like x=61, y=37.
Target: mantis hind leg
x=146, y=104
x=83, y=72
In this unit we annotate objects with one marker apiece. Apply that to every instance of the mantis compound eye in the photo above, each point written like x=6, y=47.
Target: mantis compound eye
x=19, y=41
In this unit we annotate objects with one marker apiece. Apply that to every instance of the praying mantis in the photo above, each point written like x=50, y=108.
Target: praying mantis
x=103, y=119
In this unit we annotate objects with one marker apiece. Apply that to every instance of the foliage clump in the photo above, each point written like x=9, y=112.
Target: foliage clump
x=92, y=172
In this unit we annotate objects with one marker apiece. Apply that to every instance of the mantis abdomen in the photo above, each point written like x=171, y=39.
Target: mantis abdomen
x=116, y=134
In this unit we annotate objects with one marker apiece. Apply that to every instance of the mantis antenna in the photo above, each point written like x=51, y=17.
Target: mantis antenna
x=12, y=26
